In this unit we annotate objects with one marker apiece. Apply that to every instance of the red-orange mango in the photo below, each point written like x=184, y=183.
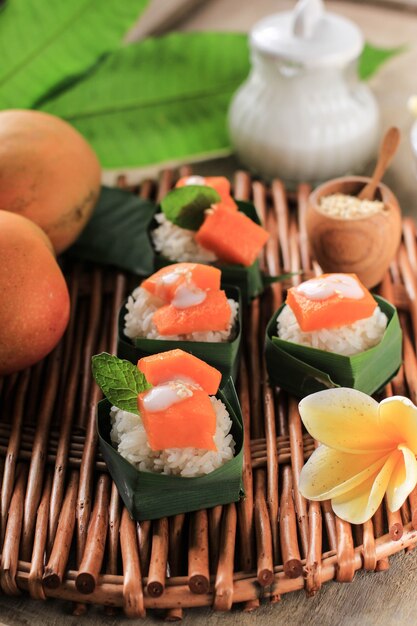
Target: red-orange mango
x=48, y=173
x=34, y=299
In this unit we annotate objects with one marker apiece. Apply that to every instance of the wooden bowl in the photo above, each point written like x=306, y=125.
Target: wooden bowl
x=363, y=245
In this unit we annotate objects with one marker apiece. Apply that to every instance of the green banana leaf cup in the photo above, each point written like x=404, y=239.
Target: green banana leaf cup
x=224, y=356
x=148, y=495
x=302, y=370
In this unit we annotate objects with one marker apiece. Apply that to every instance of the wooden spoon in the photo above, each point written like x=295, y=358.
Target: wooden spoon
x=388, y=148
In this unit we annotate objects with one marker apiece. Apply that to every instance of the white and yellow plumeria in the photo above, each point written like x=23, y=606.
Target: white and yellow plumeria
x=368, y=449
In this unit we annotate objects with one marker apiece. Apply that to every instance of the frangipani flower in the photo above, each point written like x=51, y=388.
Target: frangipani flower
x=368, y=449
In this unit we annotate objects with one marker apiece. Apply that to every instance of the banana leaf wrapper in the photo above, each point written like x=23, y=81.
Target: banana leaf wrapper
x=223, y=356
x=250, y=280
x=147, y=495
x=117, y=234
x=302, y=370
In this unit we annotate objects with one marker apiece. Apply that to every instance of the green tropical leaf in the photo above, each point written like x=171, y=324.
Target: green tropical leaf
x=159, y=99
x=48, y=44
x=372, y=58
x=117, y=233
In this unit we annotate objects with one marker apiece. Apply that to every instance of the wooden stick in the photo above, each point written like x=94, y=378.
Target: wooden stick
x=198, y=553
x=330, y=524
x=55, y=568
x=297, y=462
x=175, y=553
x=63, y=445
x=144, y=539
x=369, y=553
x=288, y=528
x=265, y=563
x=245, y=506
x=41, y=531
x=12, y=452
x=113, y=531
x=215, y=518
x=223, y=588
x=37, y=463
x=345, y=551
x=90, y=565
x=159, y=558
x=378, y=522
x=272, y=493
x=133, y=603
x=313, y=560
x=10, y=553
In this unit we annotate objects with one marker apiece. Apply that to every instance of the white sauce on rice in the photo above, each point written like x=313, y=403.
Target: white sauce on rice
x=324, y=287
x=188, y=295
x=178, y=244
x=346, y=340
x=161, y=397
x=141, y=306
x=129, y=437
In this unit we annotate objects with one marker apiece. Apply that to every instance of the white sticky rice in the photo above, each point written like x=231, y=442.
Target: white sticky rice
x=346, y=340
x=178, y=244
x=129, y=436
x=141, y=305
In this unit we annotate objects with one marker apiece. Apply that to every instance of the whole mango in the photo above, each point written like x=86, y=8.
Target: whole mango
x=34, y=299
x=48, y=173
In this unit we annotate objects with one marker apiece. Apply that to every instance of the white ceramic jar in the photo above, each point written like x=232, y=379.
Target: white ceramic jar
x=302, y=115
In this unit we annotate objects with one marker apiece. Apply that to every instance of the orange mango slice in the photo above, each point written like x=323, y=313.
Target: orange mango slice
x=219, y=183
x=231, y=235
x=332, y=312
x=211, y=314
x=177, y=364
x=189, y=423
x=166, y=281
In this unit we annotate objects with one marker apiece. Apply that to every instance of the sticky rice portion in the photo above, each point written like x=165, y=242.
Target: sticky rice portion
x=141, y=306
x=129, y=437
x=346, y=340
x=178, y=244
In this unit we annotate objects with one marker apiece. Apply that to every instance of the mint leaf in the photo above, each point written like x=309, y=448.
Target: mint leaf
x=185, y=206
x=119, y=380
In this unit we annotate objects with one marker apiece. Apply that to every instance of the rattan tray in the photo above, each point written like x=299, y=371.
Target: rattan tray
x=64, y=532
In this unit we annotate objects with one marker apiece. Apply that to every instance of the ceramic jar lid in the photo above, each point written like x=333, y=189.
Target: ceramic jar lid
x=308, y=35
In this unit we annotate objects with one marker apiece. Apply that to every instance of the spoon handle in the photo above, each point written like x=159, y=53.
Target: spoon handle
x=388, y=148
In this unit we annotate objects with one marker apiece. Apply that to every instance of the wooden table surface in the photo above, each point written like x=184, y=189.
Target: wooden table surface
x=371, y=599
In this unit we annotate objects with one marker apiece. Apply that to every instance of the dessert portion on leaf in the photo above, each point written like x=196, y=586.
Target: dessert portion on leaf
x=333, y=312
x=165, y=416
x=201, y=222
x=329, y=333
x=184, y=302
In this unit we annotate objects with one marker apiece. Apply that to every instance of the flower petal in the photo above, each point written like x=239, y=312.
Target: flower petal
x=398, y=419
x=359, y=505
x=344, y=419
x=329, y=473
x=403, y=479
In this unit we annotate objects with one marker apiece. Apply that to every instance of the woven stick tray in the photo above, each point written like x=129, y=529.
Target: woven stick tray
x=63, y=530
